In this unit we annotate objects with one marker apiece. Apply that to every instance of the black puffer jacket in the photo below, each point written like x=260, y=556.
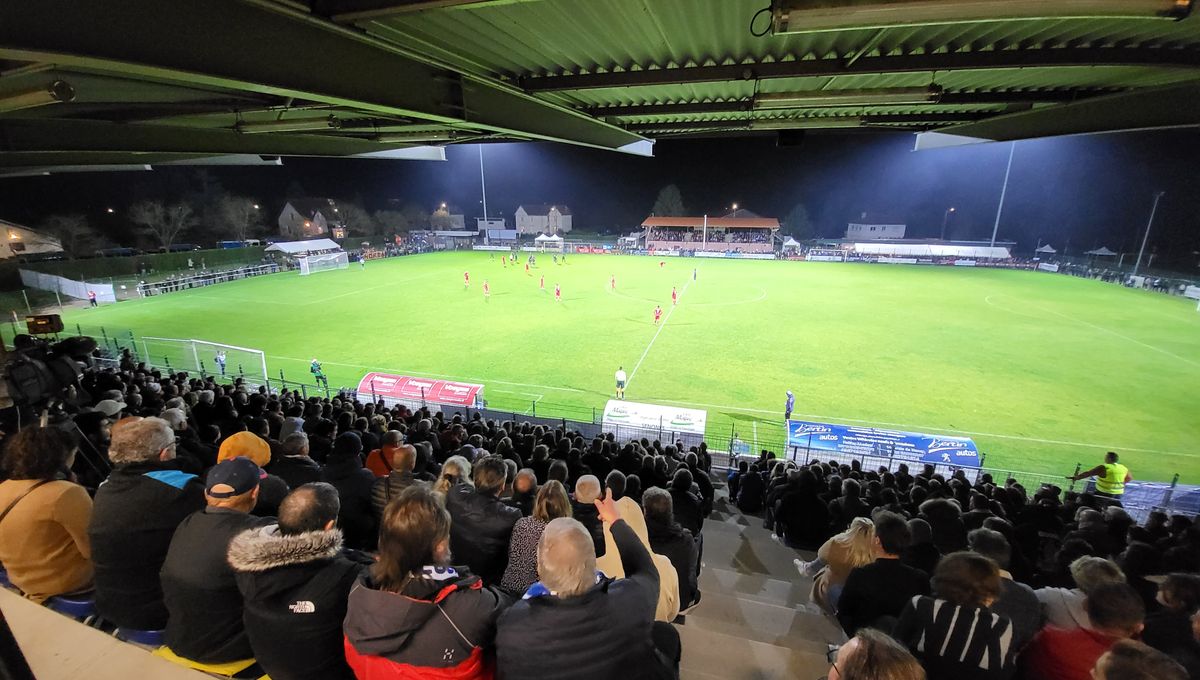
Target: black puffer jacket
x=676, y=544
x=443, y=625
x=480, y=529
x=295, y=590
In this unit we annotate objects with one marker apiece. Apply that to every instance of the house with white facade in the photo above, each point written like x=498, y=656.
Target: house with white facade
x=305, y=218
x=543, y=219
x=870, y=227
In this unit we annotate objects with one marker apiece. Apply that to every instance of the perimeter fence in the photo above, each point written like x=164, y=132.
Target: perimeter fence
x=743, y=439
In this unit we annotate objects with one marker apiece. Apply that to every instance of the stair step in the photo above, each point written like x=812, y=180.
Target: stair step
x=748, y=552
x=715, y=654
x=756, y=586
x=798, y=628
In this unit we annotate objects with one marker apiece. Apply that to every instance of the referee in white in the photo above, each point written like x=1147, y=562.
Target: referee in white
x=621, y=379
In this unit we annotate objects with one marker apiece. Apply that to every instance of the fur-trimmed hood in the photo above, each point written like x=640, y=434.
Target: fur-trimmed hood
x=265, y=548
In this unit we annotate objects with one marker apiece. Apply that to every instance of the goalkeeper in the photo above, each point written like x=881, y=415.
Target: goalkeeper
x=318, y=374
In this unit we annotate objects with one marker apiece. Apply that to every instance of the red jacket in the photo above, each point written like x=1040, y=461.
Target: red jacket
x=440, y=628
x=1057, y=654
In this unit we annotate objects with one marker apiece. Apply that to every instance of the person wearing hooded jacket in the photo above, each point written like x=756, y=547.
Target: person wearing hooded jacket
x=612, y=564
x=295, y=577
x=412, y=615
x=345, y=471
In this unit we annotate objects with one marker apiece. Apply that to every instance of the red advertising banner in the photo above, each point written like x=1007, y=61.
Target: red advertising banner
x=388, y=386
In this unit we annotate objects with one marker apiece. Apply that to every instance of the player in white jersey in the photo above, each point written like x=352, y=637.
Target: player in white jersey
x=621, y=380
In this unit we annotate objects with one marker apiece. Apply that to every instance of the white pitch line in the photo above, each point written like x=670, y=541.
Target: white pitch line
x=988, y=300
x=656, y=334
x=424, y=374
x=925, y=428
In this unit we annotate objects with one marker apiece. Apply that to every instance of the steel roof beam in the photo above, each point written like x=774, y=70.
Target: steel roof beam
x=32, y=136
x=957, y=98
x=908, y=63
x=267, y=48
x=350, y=11
x=932, y=119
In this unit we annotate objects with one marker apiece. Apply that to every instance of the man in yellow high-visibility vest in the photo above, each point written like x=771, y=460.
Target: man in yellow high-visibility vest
x=1111, y=477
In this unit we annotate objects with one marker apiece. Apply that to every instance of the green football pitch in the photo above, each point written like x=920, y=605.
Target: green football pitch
x=1041, y=370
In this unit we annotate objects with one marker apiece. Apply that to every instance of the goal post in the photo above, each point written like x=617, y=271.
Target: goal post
x=311, y=264
x=201, y=356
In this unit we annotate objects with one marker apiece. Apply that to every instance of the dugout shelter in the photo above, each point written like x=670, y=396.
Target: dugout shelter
x=712, y=234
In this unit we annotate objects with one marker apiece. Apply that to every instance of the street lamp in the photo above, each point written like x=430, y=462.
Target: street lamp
x=256, y=206
x=109, y=211
x=443, y=206
x=945, y=218
x=735, y=206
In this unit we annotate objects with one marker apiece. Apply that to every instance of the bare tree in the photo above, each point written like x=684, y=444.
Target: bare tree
x=356, y=219
x=392, y=221
x=440, y=219
x=240, y=216
x=76, y=236
x=163, y=222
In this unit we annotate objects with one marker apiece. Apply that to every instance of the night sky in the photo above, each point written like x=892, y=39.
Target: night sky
x=1080, y=192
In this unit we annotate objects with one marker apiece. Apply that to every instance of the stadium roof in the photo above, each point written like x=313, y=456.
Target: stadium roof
x=713, y=222
x=122, y=84
x=296, y=247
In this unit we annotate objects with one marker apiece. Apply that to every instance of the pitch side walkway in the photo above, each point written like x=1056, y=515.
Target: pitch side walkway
x=755, y=621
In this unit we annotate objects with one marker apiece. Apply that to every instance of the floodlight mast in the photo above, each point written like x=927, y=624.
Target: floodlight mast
x=1146, y=236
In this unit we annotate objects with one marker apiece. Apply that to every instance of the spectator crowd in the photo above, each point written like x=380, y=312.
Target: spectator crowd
x=328, y=538
x=983, y=579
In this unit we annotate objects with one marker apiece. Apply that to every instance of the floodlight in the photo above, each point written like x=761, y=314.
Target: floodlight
x=54, y=93
x=293, y=125
x=814, y=16
x=818, y=98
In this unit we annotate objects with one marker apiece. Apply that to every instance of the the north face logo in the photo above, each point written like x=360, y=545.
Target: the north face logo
x=302, y=607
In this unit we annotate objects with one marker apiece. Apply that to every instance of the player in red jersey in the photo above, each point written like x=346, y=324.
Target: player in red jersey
x=526, y=269
x=612, y=281
x=542, y=282
x=657, y=314
x=487, y=290
x=557, y=293
x=466, y=279
x=662, y=263
x=504, y=260
x=674, y=296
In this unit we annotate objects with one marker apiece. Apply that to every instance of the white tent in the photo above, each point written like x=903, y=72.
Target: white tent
x=1102, y=251
x=791, y=244
x=298, y=248
x=931, y=250
x=1046, y=249
x=548, y=239
x=554, y=242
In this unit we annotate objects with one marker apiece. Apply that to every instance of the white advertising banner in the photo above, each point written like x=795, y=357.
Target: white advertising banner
x=654, y=417
x=1046, y=267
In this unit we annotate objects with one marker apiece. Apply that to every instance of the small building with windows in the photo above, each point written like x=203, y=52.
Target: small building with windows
x=869, y=226
x=21, y=241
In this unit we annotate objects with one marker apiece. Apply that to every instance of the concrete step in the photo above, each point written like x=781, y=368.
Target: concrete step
x=708, y=654
x=756, y=587
x=797, y=628
x=748, y=551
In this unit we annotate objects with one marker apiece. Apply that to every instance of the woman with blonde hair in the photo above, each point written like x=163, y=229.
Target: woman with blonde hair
x=456, y=470
x=551, y=503
x=852, y=548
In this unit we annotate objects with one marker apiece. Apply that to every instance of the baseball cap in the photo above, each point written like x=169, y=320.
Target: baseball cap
x=233, y=477
x=110, y=407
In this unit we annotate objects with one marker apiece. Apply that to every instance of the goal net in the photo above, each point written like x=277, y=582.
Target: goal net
x=321, y=263
x=206, y=358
